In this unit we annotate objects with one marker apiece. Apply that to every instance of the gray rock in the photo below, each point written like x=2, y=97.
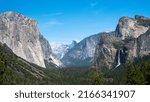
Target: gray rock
x=128, y=27
x=82, y=54
x=106, y=50
x=21, y=34
x=60, y=49
x=130, y=41
x=46, y=48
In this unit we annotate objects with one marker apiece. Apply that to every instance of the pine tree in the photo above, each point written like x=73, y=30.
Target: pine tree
x=134, y=76
x=97, y=77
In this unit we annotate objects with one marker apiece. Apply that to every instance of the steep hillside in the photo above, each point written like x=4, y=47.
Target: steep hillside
x=21, y=34
x=81, y=55
x=50, y=58
x=15, y=70
x=130, y=41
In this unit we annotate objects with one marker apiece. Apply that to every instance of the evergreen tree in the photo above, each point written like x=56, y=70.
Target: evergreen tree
x=97, y=77
x=134, y=76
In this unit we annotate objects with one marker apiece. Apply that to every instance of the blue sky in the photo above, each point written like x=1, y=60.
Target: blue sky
x=67, y=20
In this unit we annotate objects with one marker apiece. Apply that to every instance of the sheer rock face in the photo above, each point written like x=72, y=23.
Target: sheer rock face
x=48, y=55
x=46, y=48
x=105, y=53
x=21, y=34
x=128, y=27
x=143, y=44
x=131, y=40
x=138, y=47
x=82, y=54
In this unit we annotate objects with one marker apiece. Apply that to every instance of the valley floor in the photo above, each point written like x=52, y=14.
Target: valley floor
x=16, y=71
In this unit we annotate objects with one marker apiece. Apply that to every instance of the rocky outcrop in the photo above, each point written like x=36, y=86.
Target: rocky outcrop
x=106, y=51
x=144, y=21
x=143, y=44
x=21, y=34
x=82, y=54
x=130, y=41
x=46, y=48
x=49, y=57
x=128, y=27
x=74, y=43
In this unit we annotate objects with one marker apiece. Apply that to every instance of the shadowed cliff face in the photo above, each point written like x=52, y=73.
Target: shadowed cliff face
x=131, y=40
x=49, y=57
x=82, y=54
x=106, y=51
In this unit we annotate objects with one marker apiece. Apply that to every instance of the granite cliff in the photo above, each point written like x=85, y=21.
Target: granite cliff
x=82, y=54
x=22, y=36
x=129, y=41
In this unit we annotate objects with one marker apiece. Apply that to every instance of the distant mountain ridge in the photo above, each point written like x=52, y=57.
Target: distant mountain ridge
x=81, y=55
x=60, y=49
x=130, y=40
x=111, y=49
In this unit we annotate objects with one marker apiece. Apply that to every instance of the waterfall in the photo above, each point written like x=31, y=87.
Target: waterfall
x=118, y=59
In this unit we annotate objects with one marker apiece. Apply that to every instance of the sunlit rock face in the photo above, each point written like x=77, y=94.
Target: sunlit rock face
x=128, y=27
x=130, y=40
x=21, y=34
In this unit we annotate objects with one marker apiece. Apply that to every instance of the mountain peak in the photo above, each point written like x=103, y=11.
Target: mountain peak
x=129, y=27
x=11, y=12
x=16, y=17
x=141, y=17
x=125, y=18
x=23, y=36
x=143, y=21
x=73, y=43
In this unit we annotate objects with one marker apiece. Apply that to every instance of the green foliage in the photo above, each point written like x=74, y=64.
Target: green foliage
x=14, y=70
x=96, y=77
x=134, y=75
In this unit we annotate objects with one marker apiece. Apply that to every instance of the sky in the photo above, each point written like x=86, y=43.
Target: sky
x=66, y=20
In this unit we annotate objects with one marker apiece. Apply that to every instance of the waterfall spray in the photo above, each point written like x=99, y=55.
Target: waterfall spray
x=118, y=59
